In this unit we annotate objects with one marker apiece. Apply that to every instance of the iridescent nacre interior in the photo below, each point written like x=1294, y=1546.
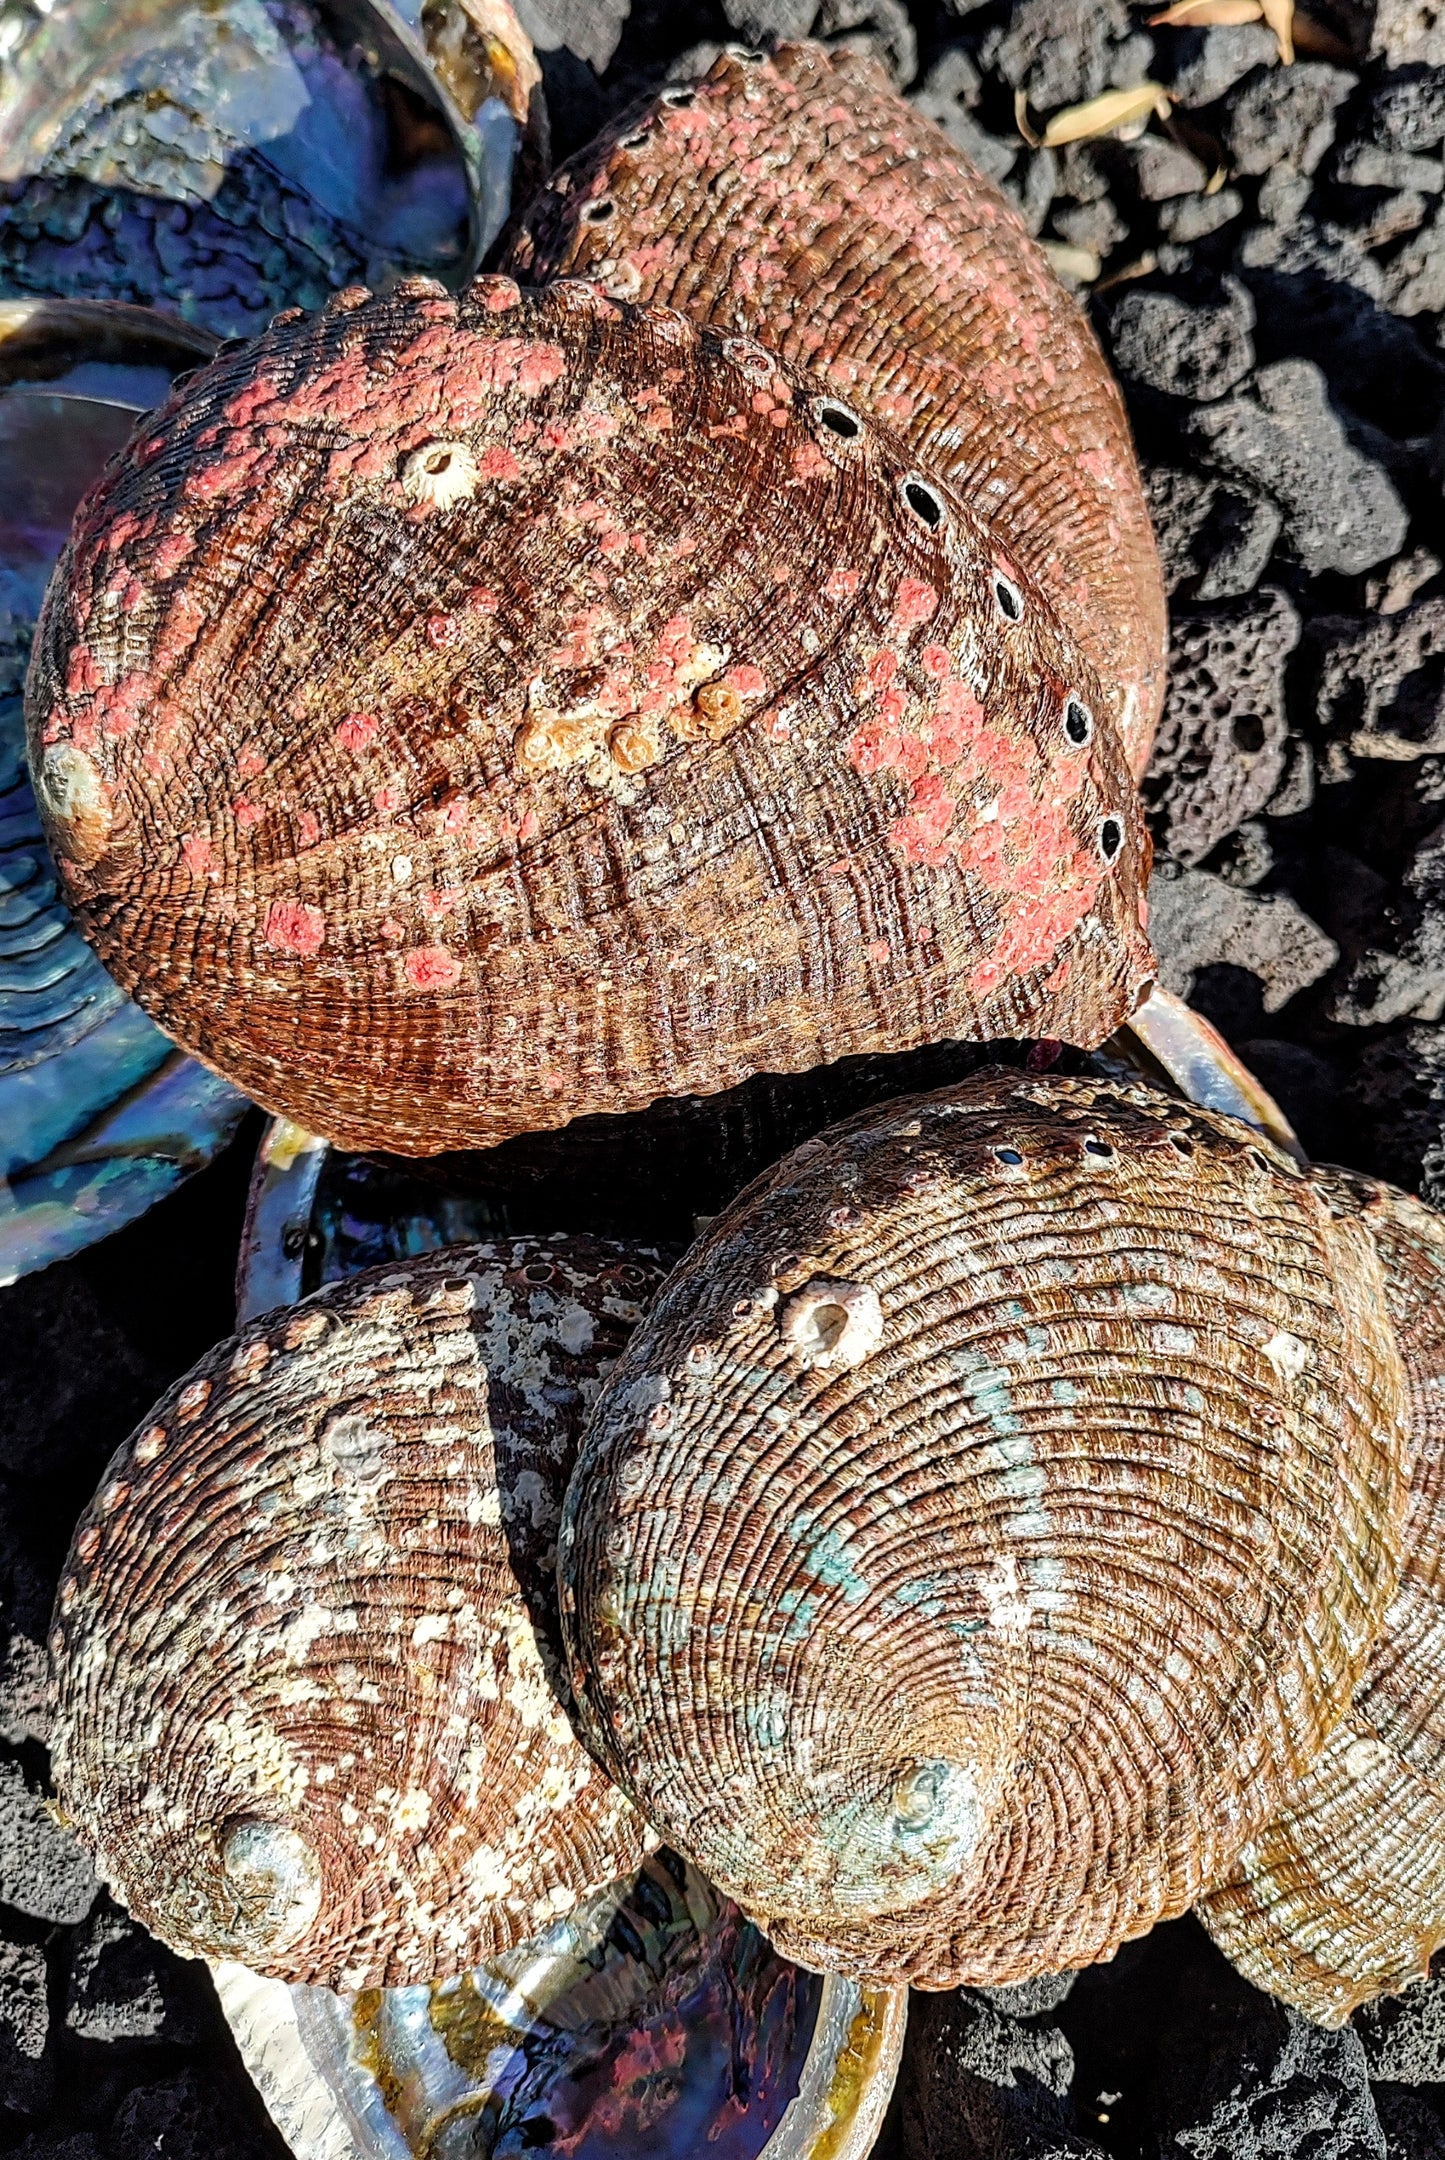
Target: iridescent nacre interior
x=231, y=157
x=656, y=2020
x=99, y=1114
x=70, y=1040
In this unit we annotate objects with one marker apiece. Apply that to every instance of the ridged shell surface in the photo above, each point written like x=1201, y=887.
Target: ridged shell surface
x=800, y=198
x=990, y=1518
x=1342, y=1896
x=307, y=1714
x=457, y=717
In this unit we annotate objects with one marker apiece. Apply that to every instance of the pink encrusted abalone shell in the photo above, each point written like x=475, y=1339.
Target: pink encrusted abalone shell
x=798, y=197
x=307, y=1711
x=1342, y=1896
x=457, y=716
x=986, y=1525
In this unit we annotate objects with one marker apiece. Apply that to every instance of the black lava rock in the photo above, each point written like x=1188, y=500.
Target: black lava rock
x=1198, y=922
x=947, y=96
x=1379, y=683
x=980, y=2084
x=80, y=2145
x=184, y=2118
x=1285, y=116
x=1286, y=440
x=1414, y=278
x=1219, y=753
x=43, y=1871
x=1399, y=973
x=124, y=1985
x=1255, y=2081
x=1407, y=111
x=1062, y=51
x=1397, y=1096
x=1186, y=349
x=590, y=29
x=27, y=2066
x=1195, y=217
x=1201, y=65
x=1162, y=170
x=1030, y=1998
x=1413, y=2130
x=881, y=26
x=1403, y=2036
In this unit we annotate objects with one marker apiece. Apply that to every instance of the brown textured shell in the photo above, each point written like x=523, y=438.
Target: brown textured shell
x=307, y=1714
x=799, y=197
x=1342, y=1896
x=990, y=1518
x=455, y=717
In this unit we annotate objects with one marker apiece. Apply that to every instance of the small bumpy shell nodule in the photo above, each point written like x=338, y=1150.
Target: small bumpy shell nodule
x=306, y=1706
x=1342, y=1896
x=455, y=717
x=989, y=1520
x=799, y=197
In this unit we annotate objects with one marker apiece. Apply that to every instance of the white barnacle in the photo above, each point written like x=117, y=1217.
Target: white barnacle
x=440, y=473
x=829, y=1323
x=1288, y=1355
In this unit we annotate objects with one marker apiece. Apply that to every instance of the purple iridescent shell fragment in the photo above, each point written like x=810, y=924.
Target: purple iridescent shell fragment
x=100, y=1116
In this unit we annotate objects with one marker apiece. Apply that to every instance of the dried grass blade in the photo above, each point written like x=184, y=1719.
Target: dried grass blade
x=1101, y=115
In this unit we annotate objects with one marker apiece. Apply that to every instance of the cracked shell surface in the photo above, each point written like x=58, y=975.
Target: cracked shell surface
x=1342, y=1896
x=966, y=1661
x=306, y=1713
x=677, y=748
x=800, y=198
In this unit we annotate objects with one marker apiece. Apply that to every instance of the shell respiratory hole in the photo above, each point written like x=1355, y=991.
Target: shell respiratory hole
x=305, y=1641
x=1342, y=1895
x=970, y=1658
x=456, y=717
x=798, y=197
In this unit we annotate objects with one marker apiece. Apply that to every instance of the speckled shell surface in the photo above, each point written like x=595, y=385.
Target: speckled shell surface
x=1342, y=1896
x=457, y=717
x=307, y=1714
x=990, y=1517
x=800, y=198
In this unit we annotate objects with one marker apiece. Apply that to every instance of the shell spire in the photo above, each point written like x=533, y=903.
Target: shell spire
x=987, y=1525
x=797, y=196
x=454, y=717
x=1342, y=1896
x=306, y=1684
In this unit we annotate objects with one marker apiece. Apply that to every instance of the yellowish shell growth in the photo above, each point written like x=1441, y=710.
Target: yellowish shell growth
x=988, y=1523
x=1342, y=1896
x=308, y=1714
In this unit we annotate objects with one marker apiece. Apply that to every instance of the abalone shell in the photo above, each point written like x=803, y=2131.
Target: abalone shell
x=458, y=717
x=99, y=1116
x=225, y=158
x=308, y=1712
x=1341, y=1896
x=988, y=1523
x=797, y=197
